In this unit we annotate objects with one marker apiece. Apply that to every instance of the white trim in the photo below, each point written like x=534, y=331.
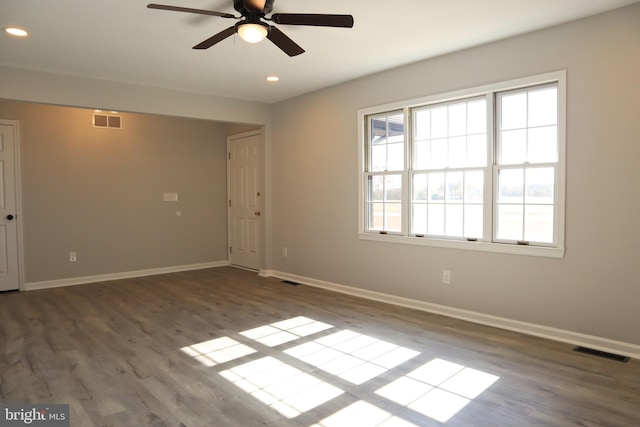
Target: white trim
x=117, y=276
x=541, y=251
x=561, y=188
x=555, y=334
x=18, y=185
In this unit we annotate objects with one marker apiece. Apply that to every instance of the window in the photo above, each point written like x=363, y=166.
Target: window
x=478, y=169
x=527, y=163
x=386, y=166
x=449, y=159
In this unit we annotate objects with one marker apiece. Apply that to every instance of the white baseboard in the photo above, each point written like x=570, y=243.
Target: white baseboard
x=117, y=276
x=574, y=338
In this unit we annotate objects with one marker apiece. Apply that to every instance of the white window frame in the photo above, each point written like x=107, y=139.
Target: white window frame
x=486, y=169
x=489, y=91
x=403, y=172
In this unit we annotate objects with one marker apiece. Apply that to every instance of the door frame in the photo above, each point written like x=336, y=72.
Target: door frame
x=18, y=189
x=261, y=244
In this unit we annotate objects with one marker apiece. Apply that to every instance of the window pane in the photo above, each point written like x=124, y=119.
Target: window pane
x=395, y=160
x=386, y=143
x=393, y=187
x=448, y=131
x=477, y=117
x=422, y=120
x=477, y=150
x=473, y=221
x=511, y=186
x=439, y=154
x=376, y=188
x=538, y=222
x=513, y=111
x=436, y=187
x=539, y=185
x=378, y=131
x=543, y=107
x=542, y=145
x=458, y=119
x=376, y=216
x=396, y=127
x=421, y=154
x=455, y=187
x=441, y=200
x=435, y=220
x=419, y=187
x=378, y=158
x=419, y=219
x=510, y=218
x=457, y=152
x=439, y=123
x=393, y=217
x=474, y=186
x=454, y=222
x=513, y=147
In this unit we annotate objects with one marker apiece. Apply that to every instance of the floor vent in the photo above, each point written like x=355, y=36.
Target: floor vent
x=603, y=354
x=290, y=283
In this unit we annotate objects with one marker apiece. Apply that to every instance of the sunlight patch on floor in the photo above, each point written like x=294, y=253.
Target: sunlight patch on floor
x=352, y=356
x=363, y=414
x=438, y=389
x=282, y=387
x=285, y=331
x=219, y=350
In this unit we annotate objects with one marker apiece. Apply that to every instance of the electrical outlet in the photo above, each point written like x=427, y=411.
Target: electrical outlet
x=285, y=253
x=72, y=257
x=446, y=277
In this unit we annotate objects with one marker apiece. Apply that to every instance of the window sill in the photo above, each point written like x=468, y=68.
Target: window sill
x=465, y=245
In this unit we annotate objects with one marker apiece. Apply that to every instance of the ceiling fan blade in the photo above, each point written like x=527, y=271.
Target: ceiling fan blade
x=216, y=39
x=255, y=5
x=318, y=20
x=281, y=40
x=189, y=10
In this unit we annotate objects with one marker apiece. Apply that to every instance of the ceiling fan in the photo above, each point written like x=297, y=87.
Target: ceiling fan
x=253, y=29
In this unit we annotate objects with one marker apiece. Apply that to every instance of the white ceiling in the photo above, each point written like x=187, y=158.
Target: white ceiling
x=122, y=40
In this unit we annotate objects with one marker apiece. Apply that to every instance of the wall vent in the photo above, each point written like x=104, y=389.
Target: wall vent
x=104, y=120
x=600, y=353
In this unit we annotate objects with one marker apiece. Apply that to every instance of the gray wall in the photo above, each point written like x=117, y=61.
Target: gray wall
x=594, y=290
x=99, y=192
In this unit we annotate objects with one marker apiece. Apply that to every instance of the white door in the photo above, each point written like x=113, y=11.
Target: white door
x=9, y=277
x=244, y=177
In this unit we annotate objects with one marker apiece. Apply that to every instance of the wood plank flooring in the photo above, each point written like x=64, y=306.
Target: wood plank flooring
x=112, y=351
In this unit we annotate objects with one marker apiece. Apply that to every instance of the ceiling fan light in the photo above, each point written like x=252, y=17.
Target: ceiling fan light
x=252, y=33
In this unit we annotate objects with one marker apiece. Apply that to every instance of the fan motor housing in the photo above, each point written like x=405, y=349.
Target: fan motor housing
x=239, y=6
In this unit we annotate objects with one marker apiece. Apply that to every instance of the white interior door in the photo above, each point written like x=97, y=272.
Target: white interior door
x=244, y=176
x=9, y=277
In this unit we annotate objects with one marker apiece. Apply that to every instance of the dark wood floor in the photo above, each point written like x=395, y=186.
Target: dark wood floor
x=125, y=353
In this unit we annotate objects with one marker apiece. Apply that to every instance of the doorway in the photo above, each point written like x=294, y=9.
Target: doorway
x=245, y=195
x=9, y=258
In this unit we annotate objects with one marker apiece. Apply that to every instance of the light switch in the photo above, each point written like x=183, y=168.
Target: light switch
x=170, y=197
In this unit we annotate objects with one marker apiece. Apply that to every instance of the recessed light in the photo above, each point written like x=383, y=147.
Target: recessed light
x=14, y=31
x=273, y=78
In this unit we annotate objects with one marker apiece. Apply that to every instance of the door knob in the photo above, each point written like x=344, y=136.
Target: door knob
x=9, y=217
x=257, y=213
